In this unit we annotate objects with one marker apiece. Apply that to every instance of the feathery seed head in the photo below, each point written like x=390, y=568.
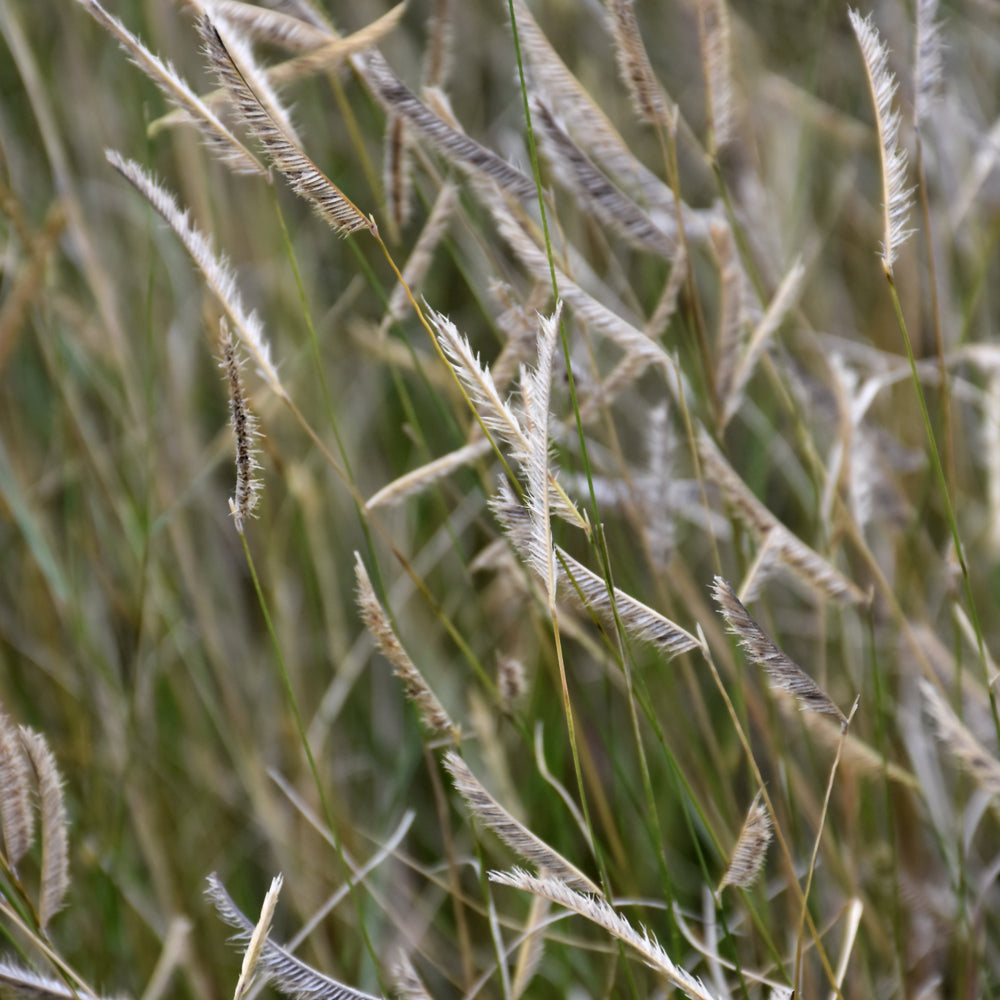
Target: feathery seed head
x=896, y=196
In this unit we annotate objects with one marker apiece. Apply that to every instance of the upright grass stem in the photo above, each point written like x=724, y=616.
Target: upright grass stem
x=942, y=480
x=567, y=701
x=293, y=705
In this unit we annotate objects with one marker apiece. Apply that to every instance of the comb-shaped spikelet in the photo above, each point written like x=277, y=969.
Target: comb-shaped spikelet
x=17, y=818
x=396, y=177
x=649, y=98
x=896, y=196
x=215, y=268
x=639, y=621
x=377, y=622
x=536, y=386
x=513, y=833
x=222, y=143
x=563, y=92
x=595, y=192
x=960, y=742
x=255, y=946
x=53, y=825
x=750, y=851
x=496, y=414
x=600, y=912
x=782, y=672
x=243, y=504
x=466, y=153
x=288, y=974
x=406, y=979
x=927, y=72
x=266, y=120
x=273, y=26
x=336, y=51
x=716, y=57
x=441, y=35
x=805, y=562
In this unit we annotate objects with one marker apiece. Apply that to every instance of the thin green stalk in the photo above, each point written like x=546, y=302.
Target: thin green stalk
x=779, y=836
x=293, y=704
x=945, y=495
x=800, y=934
x=944, y=396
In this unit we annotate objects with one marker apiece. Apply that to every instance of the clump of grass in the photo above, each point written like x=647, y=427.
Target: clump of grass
x=599, y=341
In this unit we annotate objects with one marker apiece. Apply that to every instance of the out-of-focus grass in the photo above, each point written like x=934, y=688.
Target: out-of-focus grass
x=131, y=635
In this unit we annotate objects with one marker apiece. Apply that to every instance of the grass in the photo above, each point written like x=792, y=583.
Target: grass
x=685, y=602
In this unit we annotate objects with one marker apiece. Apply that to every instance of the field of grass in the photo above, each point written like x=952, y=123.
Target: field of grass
x=666, y=669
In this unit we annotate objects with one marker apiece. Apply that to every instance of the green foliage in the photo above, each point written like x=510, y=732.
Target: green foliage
x=213, y=698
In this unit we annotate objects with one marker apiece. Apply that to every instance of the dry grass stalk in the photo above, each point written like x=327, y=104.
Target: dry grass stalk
x=421, y=257
x=561, y=90
x=441, y=40
x=600, y=912
x=431, y=712
x=397, y=179
x=732, y=306
x=285, y=972
x=513, y=517
x=240, y=52
x=265, y=119
x=639, y=621
x=255, y=946
x=337, y=50
x=970, y=754
x=896, y=197
x=423, y=478
x=532, y=950
x=457, y=147
x=514, y=834
x=783, y=301
x=595, y=192
x=217, y=136
x=716, y=59
x=649, y=99
x=23, y=982
x=927, y=73
x=330, y=53
x=588, y=309
x=782, y=672
x=406, y=980
x=497, y=415
x=511, y=680
x=807, y=564
x=284, y=30
x=53, y=825
x=750, y=851
x=667, y=304
x=216, y=269
x=243, y=504
x=536, y=387
x=626, y=373
x=17, y=817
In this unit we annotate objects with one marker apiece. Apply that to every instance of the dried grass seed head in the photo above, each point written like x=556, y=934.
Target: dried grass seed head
x=243, y=504
x=782, y=672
